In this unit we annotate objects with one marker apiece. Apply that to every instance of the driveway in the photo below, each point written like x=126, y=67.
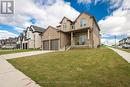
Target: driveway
x=10, y=76
x=22, y=54
x=123, y=54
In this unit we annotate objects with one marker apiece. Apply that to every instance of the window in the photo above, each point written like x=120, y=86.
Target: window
x=82, y=39
x=83, y=22
x=64, y=26
x=73, y=27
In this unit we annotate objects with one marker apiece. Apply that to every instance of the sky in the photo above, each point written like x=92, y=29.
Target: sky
x=113, y=16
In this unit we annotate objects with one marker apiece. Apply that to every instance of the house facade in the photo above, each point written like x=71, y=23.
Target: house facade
x=9, y=43
x=19, y=41
x=125, y=43
x=30, y=38
x=84, y=32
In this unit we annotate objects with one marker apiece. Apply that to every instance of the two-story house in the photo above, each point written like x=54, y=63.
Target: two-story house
x=84, y=32
x=30, y=38
x=33, y=36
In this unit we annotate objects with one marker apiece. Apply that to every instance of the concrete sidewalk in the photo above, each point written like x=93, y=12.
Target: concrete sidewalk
x=10, y=76
x=123, y=54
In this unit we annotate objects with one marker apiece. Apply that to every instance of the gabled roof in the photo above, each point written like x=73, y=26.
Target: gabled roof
x=65, y=18
x=95, y=22
x=90, y=16
x=81, y=14
x=37, y=29
x=52, y=27
x=58, y=26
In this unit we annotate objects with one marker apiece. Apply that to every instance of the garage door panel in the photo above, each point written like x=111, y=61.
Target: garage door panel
x=46, y=45
x=54, y=44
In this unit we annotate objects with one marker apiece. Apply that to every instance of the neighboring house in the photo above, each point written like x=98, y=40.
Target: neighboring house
x=31, y=38
x=9, y=43
x=128, y=40
x=1, y=43
x=19, y=41
x=125, y=43
x=84, y=32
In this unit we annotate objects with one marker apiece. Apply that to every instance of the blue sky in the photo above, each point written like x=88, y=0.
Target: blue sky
x=108, y=13
x=100, y=10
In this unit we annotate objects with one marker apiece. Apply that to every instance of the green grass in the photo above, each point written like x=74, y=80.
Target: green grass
x=13, y=51
x=127, y=50
x=77, y=68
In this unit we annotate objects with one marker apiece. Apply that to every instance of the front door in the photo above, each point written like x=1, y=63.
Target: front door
x=82, y=39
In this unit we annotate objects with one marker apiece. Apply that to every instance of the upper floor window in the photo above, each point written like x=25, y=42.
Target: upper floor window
x=73, y=27
x=83, y=22
x=64, y=26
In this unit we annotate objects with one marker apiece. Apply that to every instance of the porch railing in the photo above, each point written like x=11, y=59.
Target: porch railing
x=67, y=46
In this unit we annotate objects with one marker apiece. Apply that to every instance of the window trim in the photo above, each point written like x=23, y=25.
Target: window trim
x=83, y=22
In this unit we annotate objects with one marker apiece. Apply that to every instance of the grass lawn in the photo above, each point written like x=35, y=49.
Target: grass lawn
x=127, y=50
x=13, y=51
x=76, y=68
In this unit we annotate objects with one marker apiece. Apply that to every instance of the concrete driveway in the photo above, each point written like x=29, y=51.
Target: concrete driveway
x=10, y=76
x=22, y=54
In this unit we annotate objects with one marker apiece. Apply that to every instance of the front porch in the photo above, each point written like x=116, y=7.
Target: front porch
x=81, y=38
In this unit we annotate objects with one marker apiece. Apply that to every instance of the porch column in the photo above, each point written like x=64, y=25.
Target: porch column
x=88, y=33
x=49, y=44
x=88, y=37
x=59, y=41
x=72, y=39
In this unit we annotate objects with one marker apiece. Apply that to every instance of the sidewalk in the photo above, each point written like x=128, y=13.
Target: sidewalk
x=10, y=76
x=123, y=54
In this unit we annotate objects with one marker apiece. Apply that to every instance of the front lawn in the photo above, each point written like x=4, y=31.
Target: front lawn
x=100, y=67
x=13, y=51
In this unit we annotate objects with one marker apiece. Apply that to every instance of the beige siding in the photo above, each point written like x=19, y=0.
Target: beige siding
x=96, y=35
x=37, y=40
x=65, y=39
x=50, y=33
x=68, y=25
x=34, y=39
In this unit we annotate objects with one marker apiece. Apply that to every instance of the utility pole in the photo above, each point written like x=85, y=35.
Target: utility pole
x=115, y=41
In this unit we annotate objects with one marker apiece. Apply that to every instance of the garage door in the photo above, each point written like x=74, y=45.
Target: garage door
x=46, y=45
x=54, y=44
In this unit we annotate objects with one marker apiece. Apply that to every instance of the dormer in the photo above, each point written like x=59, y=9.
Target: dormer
x=66, y=24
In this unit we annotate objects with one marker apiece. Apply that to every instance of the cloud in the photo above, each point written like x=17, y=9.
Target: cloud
x=18, y=29
x=118, y=23
x=113, y=3
x=45, y=13
x=84, y=1
x=6, y=34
